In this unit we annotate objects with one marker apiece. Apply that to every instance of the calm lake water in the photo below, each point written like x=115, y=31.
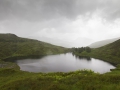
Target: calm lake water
x=63, y=63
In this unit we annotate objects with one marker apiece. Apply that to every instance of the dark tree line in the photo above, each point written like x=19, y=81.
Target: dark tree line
x=81, y=49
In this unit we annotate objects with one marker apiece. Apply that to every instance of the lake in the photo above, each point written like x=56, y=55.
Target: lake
x=63, y=63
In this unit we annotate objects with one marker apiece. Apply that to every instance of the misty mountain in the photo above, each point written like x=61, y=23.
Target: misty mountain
x=78, y=42
x=102, y=43
x=53, y=41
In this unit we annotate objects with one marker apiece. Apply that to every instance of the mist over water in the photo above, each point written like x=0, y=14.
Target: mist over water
x=63, y=63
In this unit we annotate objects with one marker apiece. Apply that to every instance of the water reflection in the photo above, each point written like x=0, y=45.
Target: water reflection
x=82, y=57
x=63, y=63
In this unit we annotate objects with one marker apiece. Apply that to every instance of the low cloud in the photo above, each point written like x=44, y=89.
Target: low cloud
x=62, y=22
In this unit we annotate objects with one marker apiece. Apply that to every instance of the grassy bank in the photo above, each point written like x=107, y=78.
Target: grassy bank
x=8, y=65
x=79, y=80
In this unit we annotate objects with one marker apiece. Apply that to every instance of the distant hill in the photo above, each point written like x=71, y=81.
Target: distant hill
x=102, y=43
x=12, y=46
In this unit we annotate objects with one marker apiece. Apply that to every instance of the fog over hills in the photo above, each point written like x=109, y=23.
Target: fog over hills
x=67, y=23
x=102, y=43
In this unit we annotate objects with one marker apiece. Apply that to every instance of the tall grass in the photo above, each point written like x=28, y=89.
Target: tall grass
x=79, y=80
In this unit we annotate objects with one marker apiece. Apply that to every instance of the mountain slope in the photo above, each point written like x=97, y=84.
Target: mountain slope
x=109, y=53
x=102, y=43
x=12, y=46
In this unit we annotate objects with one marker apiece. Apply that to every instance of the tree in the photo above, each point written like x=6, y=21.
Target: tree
x=88, y=49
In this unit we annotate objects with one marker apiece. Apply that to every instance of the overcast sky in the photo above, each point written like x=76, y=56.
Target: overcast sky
x=61, y=22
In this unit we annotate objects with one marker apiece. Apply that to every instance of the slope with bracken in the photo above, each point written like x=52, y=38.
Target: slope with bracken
x=14, y=46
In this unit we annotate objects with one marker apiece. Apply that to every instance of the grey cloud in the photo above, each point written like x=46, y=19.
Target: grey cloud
x=39, y=10
x=35, y=9
x=110, y=9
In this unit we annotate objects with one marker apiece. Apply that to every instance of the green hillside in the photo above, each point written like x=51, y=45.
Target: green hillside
x=14, y=46
x=109, y=53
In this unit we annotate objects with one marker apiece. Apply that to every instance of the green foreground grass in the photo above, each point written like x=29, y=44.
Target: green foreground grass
x=79, y=80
